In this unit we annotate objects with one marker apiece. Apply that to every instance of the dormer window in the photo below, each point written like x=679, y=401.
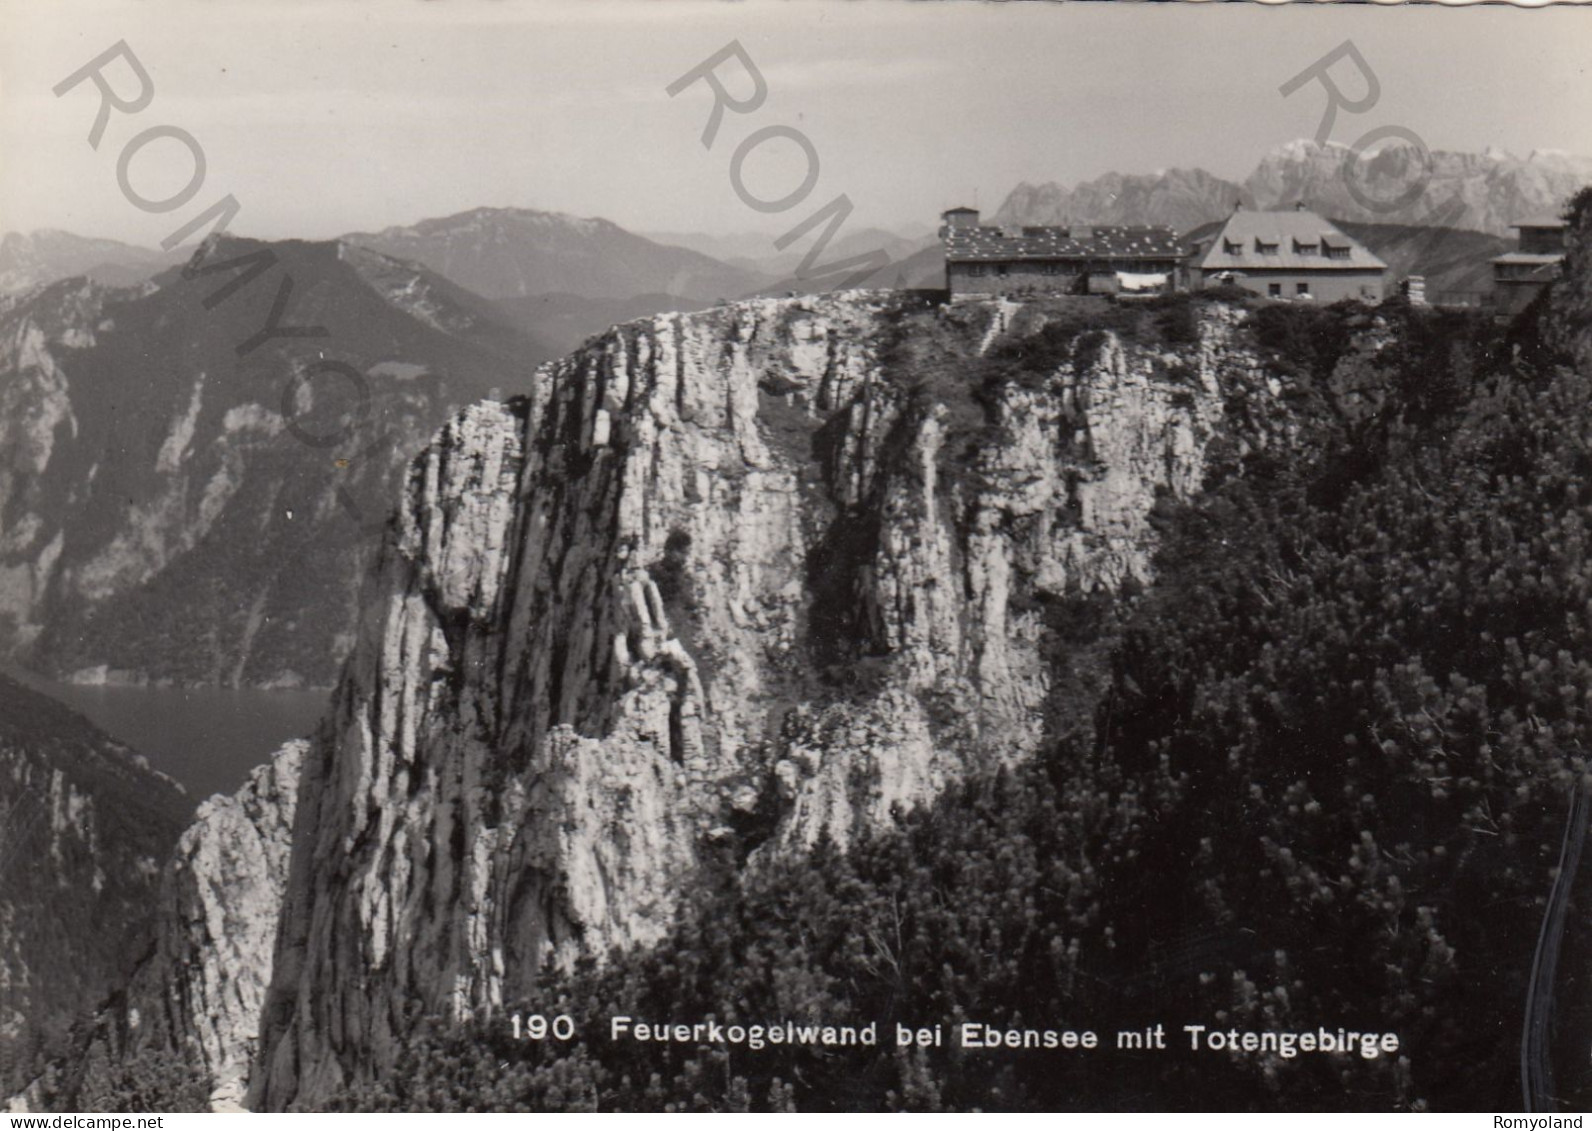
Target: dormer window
x=1306, y=248
x=1264, y=248
x=1232, y=247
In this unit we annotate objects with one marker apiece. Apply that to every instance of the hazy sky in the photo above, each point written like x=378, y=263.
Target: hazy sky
x=327, y=116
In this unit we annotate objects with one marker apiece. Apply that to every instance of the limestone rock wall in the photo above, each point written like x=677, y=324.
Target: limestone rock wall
x=203, y=989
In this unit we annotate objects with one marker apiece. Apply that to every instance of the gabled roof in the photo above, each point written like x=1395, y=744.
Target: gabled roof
x=1527, y=257
x=1541, y=220
x=1197, y=236
x=1290, y=232
x=985, y=244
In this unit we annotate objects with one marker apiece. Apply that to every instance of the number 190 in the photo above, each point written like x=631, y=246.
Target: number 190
x=537, y=1028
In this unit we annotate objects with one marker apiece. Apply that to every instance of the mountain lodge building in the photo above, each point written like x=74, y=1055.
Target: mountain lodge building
x=1519, y=275
x=1294, y=255
x=985, y=259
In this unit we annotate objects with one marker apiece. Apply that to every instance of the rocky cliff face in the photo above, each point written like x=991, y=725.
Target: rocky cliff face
x=723, y=584
x=190, y=992
x=180, y=505
x=202, y=990
x=84, y=826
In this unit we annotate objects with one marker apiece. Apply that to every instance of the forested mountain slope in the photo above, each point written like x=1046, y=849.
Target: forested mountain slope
x=195, y=472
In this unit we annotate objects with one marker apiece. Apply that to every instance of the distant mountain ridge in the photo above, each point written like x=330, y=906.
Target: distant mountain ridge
x=41, y=257
x=1454, y=262
x=518, y=252
x=1483, y=192
x=1180, y=199
x=756, y=252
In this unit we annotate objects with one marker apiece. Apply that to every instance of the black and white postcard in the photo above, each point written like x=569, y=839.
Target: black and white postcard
x=795, y=556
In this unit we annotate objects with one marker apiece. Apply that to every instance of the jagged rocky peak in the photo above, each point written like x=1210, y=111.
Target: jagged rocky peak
x=721, y=585
x=193, y=988
x=202, y=992
x=1396, y=183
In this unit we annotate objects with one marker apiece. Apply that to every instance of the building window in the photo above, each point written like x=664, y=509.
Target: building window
x=1231, y=248
x=1265, y=248
x=1274, y=290
x=1001, y=268
x=1334, y=252
x=1302, y=290
x=977, y=269
x=1305, y=248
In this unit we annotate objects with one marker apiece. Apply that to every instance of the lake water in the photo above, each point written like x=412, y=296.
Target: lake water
x=207, y=738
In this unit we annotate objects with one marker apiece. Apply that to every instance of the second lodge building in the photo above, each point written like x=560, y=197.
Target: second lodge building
x=1286, y=255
